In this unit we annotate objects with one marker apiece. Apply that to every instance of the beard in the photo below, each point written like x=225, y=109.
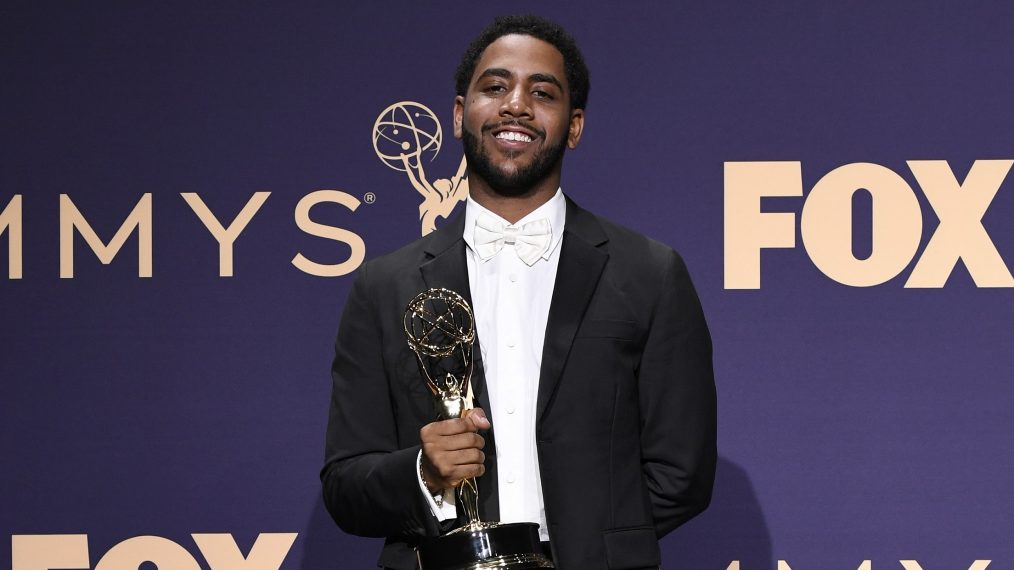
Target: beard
x=516, y=183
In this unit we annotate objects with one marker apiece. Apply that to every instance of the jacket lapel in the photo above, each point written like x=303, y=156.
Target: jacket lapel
x=445, y=266
x=582, y=259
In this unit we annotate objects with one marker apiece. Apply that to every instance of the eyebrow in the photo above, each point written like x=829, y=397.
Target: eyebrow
x=546, y=78
x=535, y=77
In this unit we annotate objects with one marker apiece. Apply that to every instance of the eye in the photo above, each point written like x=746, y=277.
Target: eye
x=542, y=94
x=494, y=89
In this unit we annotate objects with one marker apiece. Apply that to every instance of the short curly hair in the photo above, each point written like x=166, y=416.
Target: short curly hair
x=578, y=80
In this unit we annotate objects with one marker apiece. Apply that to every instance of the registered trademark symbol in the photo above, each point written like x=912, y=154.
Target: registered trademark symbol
x=369, y=197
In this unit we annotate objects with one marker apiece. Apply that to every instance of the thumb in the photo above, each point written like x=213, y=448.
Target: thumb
x=478, y=418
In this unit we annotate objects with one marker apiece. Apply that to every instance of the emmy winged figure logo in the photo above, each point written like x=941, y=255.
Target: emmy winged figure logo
x=407, y=134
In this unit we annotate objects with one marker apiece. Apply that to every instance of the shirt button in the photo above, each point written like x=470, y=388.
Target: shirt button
x=510, y=344
x=511, y=478
x=510, y=409
x=513, y=278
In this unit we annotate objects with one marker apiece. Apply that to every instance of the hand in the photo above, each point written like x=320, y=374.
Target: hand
x=452, y=450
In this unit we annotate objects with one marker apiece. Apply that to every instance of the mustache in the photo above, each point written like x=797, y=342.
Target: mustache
x=515, y=123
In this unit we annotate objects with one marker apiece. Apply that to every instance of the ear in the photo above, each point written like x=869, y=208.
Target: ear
x=576, y=128
x=459, y=115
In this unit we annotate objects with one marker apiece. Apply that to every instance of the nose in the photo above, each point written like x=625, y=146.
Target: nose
x=517, y=104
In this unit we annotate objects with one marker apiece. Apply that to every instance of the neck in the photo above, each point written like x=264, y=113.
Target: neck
x=512, y=208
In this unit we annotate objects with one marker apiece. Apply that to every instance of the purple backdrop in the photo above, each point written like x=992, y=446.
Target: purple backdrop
x=855, y=423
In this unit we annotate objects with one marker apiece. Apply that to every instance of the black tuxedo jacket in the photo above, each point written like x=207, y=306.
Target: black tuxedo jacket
x=625, y=424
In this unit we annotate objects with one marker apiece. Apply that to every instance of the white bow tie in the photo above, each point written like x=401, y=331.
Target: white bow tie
x=530, y=241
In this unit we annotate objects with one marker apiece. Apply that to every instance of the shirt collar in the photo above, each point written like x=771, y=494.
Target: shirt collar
x=555, y=210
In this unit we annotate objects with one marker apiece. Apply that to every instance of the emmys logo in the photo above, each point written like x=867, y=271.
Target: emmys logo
x=406, y=135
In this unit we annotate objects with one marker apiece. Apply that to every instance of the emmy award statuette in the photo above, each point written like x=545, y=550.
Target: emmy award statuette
x=440, y=328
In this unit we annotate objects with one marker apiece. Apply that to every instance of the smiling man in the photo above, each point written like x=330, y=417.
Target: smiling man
x=593, y=377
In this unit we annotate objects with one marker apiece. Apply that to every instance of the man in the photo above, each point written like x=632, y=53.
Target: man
x=593, y=375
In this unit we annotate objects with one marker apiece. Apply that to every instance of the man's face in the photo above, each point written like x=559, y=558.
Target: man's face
x=515, y=120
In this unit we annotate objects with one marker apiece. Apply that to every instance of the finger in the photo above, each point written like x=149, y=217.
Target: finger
x=452, y=444
x=434, y=430
x=464, y=472
x=453, y=426
x=466, y=457
x=461, y=441
x=471, y=471
x=446, y=478
x=454, y=450
x=445, y=461
x=445, y=473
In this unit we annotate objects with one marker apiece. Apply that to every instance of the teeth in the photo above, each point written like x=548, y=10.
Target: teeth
x=513, y=136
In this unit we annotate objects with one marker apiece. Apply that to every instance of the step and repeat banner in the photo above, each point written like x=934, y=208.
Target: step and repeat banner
x=187, y=189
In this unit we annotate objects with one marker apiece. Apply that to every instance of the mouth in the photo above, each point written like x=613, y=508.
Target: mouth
x=513, y=135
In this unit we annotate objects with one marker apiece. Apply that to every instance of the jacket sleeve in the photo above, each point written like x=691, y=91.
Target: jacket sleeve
x=369, y=477
x=678, y=403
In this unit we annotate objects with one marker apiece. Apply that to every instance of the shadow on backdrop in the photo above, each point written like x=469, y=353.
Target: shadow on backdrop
x=732, y=528
x=325, y=547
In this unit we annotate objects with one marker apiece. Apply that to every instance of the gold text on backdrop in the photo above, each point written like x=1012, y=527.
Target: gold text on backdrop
x=140, y=221
x=826, y=222
x=220, y=551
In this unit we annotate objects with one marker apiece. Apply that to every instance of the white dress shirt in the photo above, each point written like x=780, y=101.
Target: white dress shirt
x=511, y=301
